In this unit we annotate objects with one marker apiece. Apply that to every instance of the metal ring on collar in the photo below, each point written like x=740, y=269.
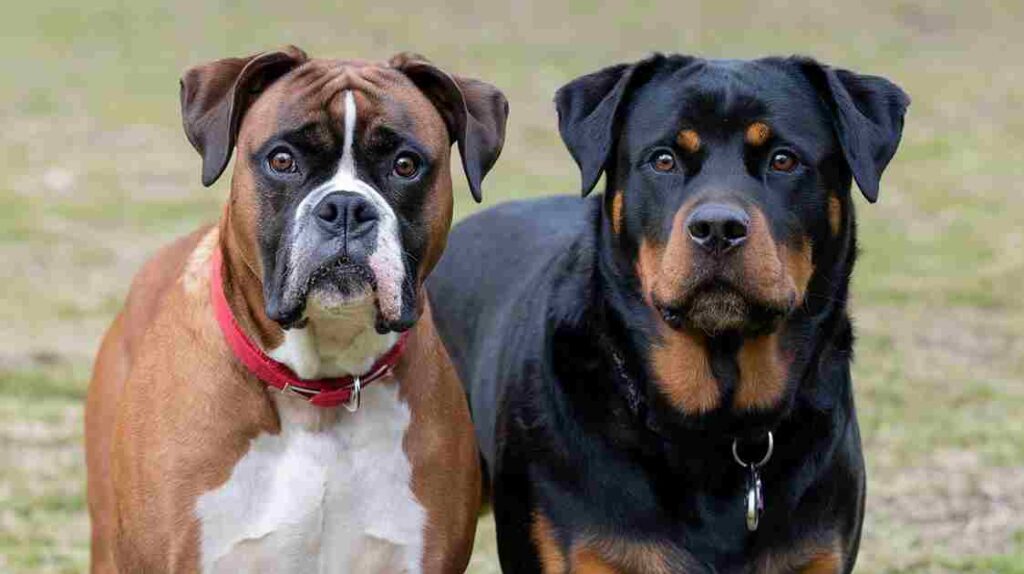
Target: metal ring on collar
x=762, y=462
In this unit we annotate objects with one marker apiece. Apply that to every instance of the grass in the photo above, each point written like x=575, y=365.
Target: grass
x=96, y=174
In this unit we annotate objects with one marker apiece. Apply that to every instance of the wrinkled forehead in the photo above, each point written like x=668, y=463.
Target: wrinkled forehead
x=719, y=98
x=310, y=100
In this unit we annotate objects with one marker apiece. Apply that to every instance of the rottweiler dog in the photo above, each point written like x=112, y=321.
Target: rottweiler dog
x=660, y=375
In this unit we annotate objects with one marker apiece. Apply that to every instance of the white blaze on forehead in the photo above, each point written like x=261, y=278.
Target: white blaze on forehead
x=385, y=260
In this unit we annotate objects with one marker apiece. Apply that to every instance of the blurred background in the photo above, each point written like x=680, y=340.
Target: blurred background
x=96, y=173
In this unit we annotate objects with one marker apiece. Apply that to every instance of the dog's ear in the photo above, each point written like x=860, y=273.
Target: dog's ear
x=475, y=113
x=867, y=115
x=588, y=111
x=214, y=98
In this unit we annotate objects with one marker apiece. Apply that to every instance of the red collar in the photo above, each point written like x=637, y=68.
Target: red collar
x=319, y=392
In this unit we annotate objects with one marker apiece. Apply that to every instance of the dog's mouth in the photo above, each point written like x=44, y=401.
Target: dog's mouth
x=339, y=284
x=717, y=308
x=332, y=288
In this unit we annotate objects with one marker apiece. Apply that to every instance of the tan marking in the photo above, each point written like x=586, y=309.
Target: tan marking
x=800, y=267
x=617, y=212
x=763, y=373
x=647, y=262
x=827, y=562
x=586, y=561
x=761, y=270
x=549, y=551
x=689, y=140
x=770, y=272
x=835, y=214
x=679, y=359
x=617, y=556
x=757, y=134
x=668, y=269
x=683, y=373
x=812, y=557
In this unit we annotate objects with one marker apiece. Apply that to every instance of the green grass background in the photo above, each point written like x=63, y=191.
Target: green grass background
x=96, y=174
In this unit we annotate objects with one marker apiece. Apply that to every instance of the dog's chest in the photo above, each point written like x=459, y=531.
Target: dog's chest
x=330, y=493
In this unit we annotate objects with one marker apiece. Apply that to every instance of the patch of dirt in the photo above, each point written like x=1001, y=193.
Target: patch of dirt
x=953, y=505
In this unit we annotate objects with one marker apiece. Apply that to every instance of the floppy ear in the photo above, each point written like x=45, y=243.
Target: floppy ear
x=867, y=114
x=588, y=110
x=475, y=113
x=214, y=97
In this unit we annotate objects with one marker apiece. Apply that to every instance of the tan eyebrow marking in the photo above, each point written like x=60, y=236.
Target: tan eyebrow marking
x=835, y=214
x=758, y=133
x=617, y=213
x=689, y=140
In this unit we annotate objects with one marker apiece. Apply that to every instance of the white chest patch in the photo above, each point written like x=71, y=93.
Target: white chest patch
x=330, y=493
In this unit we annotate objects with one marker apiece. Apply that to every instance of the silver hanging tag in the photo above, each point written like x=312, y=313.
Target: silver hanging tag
x=755, y=500
x=755, y=490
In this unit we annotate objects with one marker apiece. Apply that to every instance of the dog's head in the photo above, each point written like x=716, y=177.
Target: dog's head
x=728, y=181
x=341, y=188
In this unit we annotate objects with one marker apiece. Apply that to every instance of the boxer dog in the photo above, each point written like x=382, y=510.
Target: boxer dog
x=660, y=376
x=273, y=396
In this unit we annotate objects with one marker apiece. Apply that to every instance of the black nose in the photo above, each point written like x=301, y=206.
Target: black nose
x=717, y=227
x=345, y=213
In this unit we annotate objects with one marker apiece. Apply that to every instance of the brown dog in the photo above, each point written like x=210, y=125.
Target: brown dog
x=340, y=206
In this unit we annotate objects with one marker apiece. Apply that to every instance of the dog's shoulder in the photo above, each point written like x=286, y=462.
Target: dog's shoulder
x=183, y=259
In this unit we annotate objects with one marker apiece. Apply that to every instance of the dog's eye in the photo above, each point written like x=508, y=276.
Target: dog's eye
x=282, y=162
x=406, y=165
x=784, y=161
x=663, y=161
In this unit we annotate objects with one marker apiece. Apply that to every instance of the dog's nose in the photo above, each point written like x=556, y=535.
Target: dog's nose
x=345, y=213
x=717, y=227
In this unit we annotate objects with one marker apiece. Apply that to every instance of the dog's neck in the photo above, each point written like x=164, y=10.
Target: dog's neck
x=328, y=344
x=334, y=344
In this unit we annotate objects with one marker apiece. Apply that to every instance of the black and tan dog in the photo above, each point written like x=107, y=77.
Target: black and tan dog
x=660, y=376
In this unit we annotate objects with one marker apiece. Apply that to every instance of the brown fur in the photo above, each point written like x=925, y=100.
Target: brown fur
x=440, y=430
x=617, y=213
x=618, y=556
x=808, y=558
x=169, y=412
x=763, y=372
x=664, y=271
x=549, y=551
x=680, y=360
x=767, y=271
x=835, y=215
x=689, y=140
x=592, y=555
x=585, y=561
x=757, y=134
x=773, y=273
x=680, y=363
x=800, y=267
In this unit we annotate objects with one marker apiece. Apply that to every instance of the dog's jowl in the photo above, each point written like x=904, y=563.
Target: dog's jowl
x=659, y=375
x=273, y=397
